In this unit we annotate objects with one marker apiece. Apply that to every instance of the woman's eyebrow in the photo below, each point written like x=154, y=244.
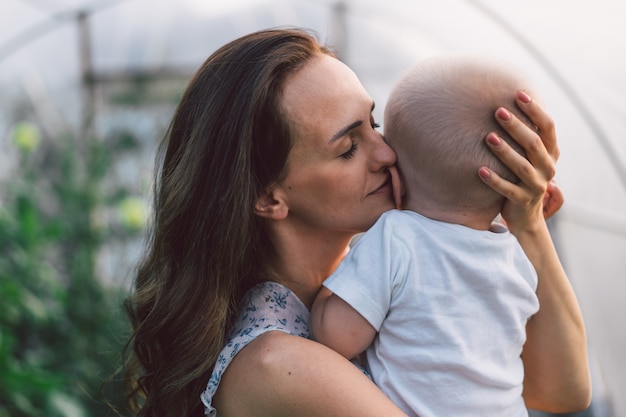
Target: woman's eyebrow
x=348, y=128
x=345, y=131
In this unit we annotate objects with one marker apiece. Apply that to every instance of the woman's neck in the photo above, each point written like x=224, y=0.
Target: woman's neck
x=303, y=264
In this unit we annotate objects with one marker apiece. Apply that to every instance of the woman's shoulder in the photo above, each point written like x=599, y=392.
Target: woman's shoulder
x=273, y=351
x=279, y=374
x=273, y=327
x=261, y=377
x=267, y=308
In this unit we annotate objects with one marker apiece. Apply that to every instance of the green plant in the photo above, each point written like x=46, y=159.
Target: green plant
x=61, y=326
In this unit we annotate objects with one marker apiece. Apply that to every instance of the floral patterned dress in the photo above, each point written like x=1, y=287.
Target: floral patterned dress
x=267, y=307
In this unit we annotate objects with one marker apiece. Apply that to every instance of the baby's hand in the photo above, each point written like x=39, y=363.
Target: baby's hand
x=552, y=199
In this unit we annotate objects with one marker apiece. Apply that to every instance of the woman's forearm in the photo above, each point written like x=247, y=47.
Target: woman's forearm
x=555, y=354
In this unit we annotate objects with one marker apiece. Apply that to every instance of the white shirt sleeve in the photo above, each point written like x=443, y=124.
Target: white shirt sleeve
x=366, y=277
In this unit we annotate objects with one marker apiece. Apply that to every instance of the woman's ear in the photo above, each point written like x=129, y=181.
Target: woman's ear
x=271, y=206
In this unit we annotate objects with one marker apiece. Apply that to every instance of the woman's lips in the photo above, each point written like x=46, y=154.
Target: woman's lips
x=384, y=188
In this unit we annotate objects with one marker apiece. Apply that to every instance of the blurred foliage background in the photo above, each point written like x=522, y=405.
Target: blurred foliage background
x=61, y=325
x=73, y=212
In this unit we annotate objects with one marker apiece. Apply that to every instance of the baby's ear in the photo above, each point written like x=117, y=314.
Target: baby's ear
x=271, y=205
x=396, y=184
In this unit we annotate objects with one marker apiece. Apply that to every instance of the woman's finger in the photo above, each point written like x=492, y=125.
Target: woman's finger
x=512, y=192
x=528, y=174
x=530, y=141
x=543, y=122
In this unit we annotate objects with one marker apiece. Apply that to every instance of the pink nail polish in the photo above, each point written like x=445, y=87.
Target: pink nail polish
x=523, y=97
x=484, y=172
x=503, y=114
x=493, y=139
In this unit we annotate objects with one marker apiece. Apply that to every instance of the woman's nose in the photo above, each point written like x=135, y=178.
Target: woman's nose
x=382, y=154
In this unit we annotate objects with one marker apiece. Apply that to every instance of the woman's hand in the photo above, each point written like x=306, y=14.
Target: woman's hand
x=556, y=370
x=525, y=200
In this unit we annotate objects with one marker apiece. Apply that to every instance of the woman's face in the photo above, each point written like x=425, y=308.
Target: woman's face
x=337, y=171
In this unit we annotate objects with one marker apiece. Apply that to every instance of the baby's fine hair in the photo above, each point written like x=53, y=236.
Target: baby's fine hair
x=436, y=119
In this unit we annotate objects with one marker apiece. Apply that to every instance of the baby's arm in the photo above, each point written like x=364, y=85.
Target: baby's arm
x=337, y=325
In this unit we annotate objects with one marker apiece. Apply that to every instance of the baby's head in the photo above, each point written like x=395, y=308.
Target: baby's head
x=436, y=119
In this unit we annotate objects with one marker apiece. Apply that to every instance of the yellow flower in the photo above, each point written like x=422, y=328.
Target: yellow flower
x=133, y=213
x=25, y=136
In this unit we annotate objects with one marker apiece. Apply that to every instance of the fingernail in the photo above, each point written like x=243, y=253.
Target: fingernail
x=503, y=114
x=484, y=172
x=493, y=139
x=523, y=97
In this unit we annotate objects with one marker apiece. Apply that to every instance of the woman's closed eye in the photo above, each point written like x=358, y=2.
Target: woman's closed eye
x=354, y=145
x=350, y=152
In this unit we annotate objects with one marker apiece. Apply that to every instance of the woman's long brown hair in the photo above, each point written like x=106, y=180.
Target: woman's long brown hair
x=227, y=142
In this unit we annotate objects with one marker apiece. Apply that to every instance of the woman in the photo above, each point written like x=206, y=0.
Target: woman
x=272, y=164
